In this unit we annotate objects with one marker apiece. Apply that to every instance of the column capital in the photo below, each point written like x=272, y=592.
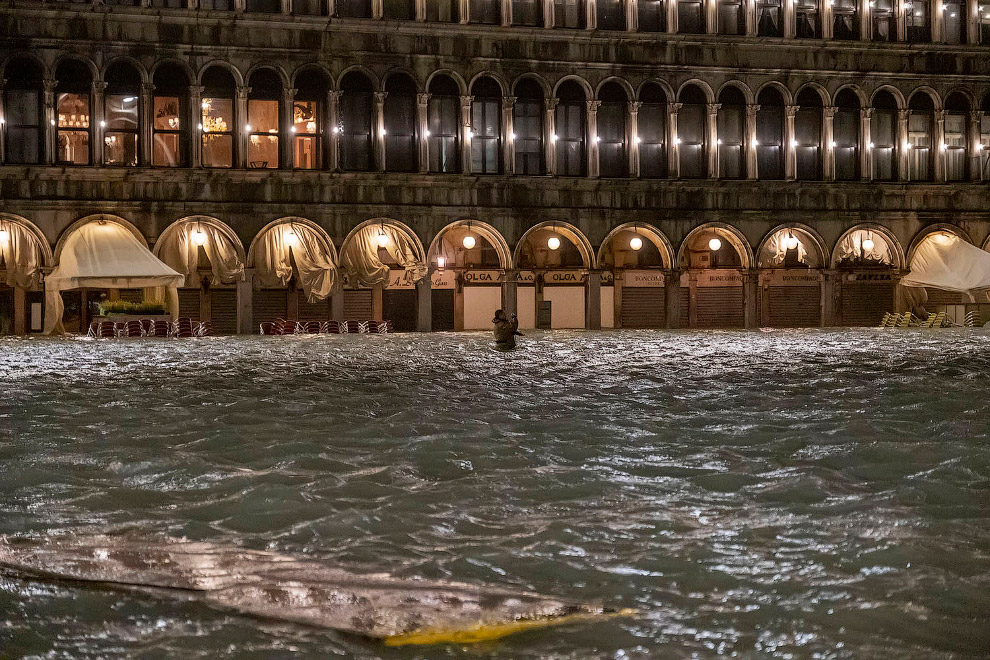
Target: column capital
x=634, y=106
x=903, y=114
x=672, y=108
x=334, y=95
x=466, y=101
x=791, y=110
x=3, y=82
x=830, y=110
x=380, y=97
x=50, y=85
x=551, y=102
x=289, y=94
x=147, y=88
x=940, y=115
x=196, y=89
x=508, y=101
x=423, y=99
x=713, y=108
x=99, y=86
x=593, y=105
x=243, y=91
x=866, y=113
x=974, y=115
x=752, y=109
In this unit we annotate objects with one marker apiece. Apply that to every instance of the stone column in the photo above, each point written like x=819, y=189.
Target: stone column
x=550, y=134
x=464, y=11
x=97, y=122
x=938, y=142
x=790, y=19
x=240, y=5
x=673, y=153
x=20, y=311
x=670, y=6
x=424, y=305
x=377, y=302
x=825, y=13
x=901, y=18
x=672, y=297
x=751, y=298
x=830, y=298
x=510, y=292
x=3, y=119
x=50, y=129
x=632, y=15
x=903, y=147
x=331, y=138
x=751, y=25
x=828, y=141
x=974, y=147
x=593, y=301
x=194, y=120
x=287, y=131
x=790, y=155
x=865, y=144
x=508, y=135
x=973, y=23
x=378, y=124
x=505, y=11
x=710, y=8
x=377, y=9
x=711, y=137
x=466, y=134
x=590, y=15
x=240, y=130
x=863, y=8
x=592, y=137
x=337, y=304
x=287, y=7
x=421, y=10
x=937, y=21
x=146, y=124
x=245, y=304
x=548, y=15
x=752, y=163
x=632, y=138
x=422, y=121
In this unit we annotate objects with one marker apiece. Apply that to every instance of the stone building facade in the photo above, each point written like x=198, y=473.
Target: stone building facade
x=711, y=134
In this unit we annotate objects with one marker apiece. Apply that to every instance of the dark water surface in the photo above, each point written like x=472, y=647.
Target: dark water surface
x=782, y=494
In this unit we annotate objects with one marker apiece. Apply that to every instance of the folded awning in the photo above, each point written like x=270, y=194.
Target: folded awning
x=947, y=262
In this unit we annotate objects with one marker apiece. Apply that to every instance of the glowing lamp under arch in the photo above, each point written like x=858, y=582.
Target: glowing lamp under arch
x=553, y=243
x=636, y=242
x=715, y=244
x=469, y=242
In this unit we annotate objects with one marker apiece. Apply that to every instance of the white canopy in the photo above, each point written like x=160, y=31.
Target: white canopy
x=290, y=241
x=180, y=250
x=944, y=261
x=362, y=262
x=21, y=256
x=107, y=254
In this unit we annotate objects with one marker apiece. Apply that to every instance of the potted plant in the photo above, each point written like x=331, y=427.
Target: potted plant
x=122, y=310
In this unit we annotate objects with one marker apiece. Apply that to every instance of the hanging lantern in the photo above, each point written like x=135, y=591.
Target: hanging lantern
x=942, y=239
x=715, y=244
x=469, y=242
x=635, y=242
x=868, y=243
x=791, y=242
x=199, y=236
x=4, y=236
x=291, y=238
x=553, y=243
x=441, y=262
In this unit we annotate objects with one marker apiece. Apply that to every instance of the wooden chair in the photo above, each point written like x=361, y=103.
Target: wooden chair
x=268, y=328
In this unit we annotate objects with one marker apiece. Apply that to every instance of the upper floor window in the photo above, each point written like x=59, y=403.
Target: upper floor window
x=769, y=18
x=443, y=11
x=652, y=16
x=527, y=12
x=954, y=21
x=690, y=16
x=845, y=136
x=444, y=111
x=353, y=8
x=652, y=128
x=692, y=120
x=808, y=135
x=217, y=117
x=218, y=5
x=845, y=19
x=613, y=156
x=73, y=110
x=170, y=4
x=731, y=17
x=611, y=15
x=983, y=17
x=808, y=24
x=572, y=156
x=263, y=6
x=24, y=112
x=170, y=117
x=984, y=151
x=884, y=23
x=486, y=11
x=486, y=123
x=122, y=103
x=731, y=123
x=356, y=122
x=308, y=119
x=568, y=13
x=264, y=119
x=770, y=134
x=883, y=137
x=527, y=127
x=918, y=20
x=956, y=137
x=920, y=124
x=400, y=124
x=403, y=10
x=308, y=7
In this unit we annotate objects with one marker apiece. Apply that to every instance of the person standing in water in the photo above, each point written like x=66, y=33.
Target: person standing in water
x=506, y=330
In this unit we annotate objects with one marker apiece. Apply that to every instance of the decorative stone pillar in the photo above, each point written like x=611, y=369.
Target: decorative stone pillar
x=751, y=25
x=670, y=6
x=332, y=136
x=937, y=7
x=711, y=137
x=790, y=19
x=673, y=153
x=287, y=7
x=464, y=11
x=241, y=117
x=866, y=144
x=466, y=133
x=672, y=297
x=548, y=14
x=973, y=148
x=97, y=122
x=146, y=122
x=506, y=12
x=973, y=23
x=245, y=303
x=750, y=148
x=422, y=123
x=828, y=140
x=593, y=301
x=632, y=15
x=790, y=155
x=378, y=122
x=3, y=120
x=420, y=10
x=377, y=9
x=825, y=13
x=632, y=137
x=508, y=135
x=424, y=305
x=901, y=18
x=590, y=14
x=195, y=119
x=592, y=137
x=903, y=147
x=710, y=8
x=51, y=114
x=510, y=291
x=751, y=299
x=938, y=140
x=287, y=131
x=865, y=10
x=331, y=8
x=550, y=134
x=240, y=5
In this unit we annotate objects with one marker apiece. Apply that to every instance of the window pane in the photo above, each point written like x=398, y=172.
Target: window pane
x=768, y=18
x=731, y=18
x=218, y=115
x=23, y=146
x=690, y=18
x=165, y=150
x=122, y=111
x=73, y=147
x=304, y=118
x=73, y=110
x=486, y=11
x=568, y=13
x=263, y=151
x=652, y=16
x=167, y=113
x=120, y=149
x=263, y=116
x=306, y=152
x=218, y=150
x=527, y=12
x=22, y=107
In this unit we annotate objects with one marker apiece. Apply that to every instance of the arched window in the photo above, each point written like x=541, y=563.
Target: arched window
x=691, y=122
x=807, y=21
x=983, y=20
x=731, y=133
x=444, y=112
x=402, y=10
x=308, y=7
x=883, y=136
x=690, y=16
x=356, y=117
x=353, y=8
x=652, y=16
x=770, y=134
x=984, y=147
x=309, y=118
x=918, y=18
x=486, y=126
x=731, y=17
x=611, y=15
x=845, y=19
x=121, y=111
x=884, y=20
x=72, y=93
x=264, y=6
x=170, y=105
x=400, y=124
x=954, y=21
x=808, y=135
x=442, y=11
x=486, y=11
x=652, y=128
x=568, y=13
x=920, y=137
x=217, y=117
x=24, y=111
x=572, y=156
x=613, y=157
x=527, y=12
x=527, y=127
x=845, y=135
x=956, y=137
x=264, y=112
x=769, y=18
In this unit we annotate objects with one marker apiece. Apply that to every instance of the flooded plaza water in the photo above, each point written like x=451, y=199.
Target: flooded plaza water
x=813, y=493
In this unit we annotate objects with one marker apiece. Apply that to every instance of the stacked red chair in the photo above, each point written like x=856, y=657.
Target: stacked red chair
x=183, y=327
x=148, y=326
x=286, y=326
x=107, y=329
x=311, y=327
x=133, y=329
x=160, y=329
x=269, y=328
x=204, y=329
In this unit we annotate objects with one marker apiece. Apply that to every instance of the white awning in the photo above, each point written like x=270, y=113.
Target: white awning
x=947, y=262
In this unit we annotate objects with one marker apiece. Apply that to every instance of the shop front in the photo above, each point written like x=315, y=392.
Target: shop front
x=791, y=279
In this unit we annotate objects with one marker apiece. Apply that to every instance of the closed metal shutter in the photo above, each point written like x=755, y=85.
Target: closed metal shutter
x=644, y=307
x=794, y=306
x=942, y=297
x=685, y=321
x=443, y=309
x=269, y=304
x=132, y=295
x=720, y=307
x=223, y=306
x=357, y=305
x=318, y=311
x=189, y=303
x=864, y=303
x=399, y=307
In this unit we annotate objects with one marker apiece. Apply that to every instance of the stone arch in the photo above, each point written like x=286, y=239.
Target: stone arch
x=965, y=92
x=822, y=92
x=622, y=82
x=780, y=87
x=811, y=237
x=864, y=100
x=647, y=231
x=503, y=84
x=723, y=230
x=403, y=71
x=94, y=71
x=46, y=72
x=896, y=250
x=700, y=84
x=930, y=230
x=663, y=84
x=893, y=91
x=395, y=224
x=95, y=217
x=219, y=225
x=302, y=69
x=567, y=230
x=142, y=71
x=283, y=76
x=487, y=231
x=44, y=246
x=320, y=232
x=932, y=94
x=376, y=83
x=582, y=83
x=741, y=86
x=233, y=70
x=191, y=76
x=453, y=75
x=540, y=80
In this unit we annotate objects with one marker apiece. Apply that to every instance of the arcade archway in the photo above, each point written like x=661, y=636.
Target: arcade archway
x=714, y=257
x=553, y=259
x=791, y=262
x=636, y=260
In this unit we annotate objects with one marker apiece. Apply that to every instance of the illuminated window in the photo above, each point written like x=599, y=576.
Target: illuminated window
x=73, y=113
x=217, y=118
x=443, y=112
x=884, y=25
x=956, y=137
x=769, y=22
x=918, y=20
x=486, y=125
x=845, y=19
x=264, y=106
x=121, y=111
x=527, y=124
x=169, y=108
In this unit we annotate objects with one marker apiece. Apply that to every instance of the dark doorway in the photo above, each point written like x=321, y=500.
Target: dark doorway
x=443, y=309
x=399, y=307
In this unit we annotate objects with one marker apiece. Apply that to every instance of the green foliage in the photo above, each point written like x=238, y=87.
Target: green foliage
x=124, y=307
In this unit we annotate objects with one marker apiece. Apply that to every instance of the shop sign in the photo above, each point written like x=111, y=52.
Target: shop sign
x=711, y=278
x=882, y=276
x=526, y=277
x=563, y=277
x=608, y=278
x=482, y=277
x=397, y=280
x=443, y=279
x=652, y=279
x=791, y=277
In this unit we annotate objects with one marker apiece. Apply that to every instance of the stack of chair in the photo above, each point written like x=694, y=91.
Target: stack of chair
x=132, y=329
x=108, y=329
x=183, y=327
x=330, y=327
x=287, y=326
x=941, y=321
x=974, y=320
x=269, y=328
x=891, y=320
x=160, y=328
x=310, y=327
x=204, y=329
